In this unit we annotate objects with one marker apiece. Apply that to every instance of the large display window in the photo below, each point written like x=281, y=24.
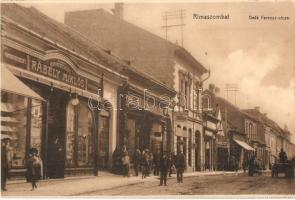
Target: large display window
x=15, y=111
x=79, y=136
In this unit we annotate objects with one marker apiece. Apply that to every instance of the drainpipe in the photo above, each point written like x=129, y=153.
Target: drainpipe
x=202, y=153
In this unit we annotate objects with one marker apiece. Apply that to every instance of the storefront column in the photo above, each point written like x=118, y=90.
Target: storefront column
x=202, y=152
x=44, y=147
x=28, y=127
x=96, y=132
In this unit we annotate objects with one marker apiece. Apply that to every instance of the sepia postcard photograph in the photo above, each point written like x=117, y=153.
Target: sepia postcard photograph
x=153, y=99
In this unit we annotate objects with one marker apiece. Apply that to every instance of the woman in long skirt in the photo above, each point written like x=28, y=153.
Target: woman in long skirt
x=34, y=168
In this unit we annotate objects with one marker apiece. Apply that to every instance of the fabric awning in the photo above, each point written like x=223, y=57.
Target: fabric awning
x=10, y=83
x=244, y=145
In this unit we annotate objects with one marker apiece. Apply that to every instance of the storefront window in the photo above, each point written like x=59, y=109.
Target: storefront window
x=70, y=135
x=14, y=124
x=85, y=150
x=36, y=124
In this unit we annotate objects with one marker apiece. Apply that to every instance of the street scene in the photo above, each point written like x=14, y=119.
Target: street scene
x=157, y=99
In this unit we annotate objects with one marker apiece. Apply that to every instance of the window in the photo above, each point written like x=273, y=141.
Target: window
x=36, y=124
x=185, y=89
x=14, y=123
x=70, y=141
x=206, y=102
x=80, y=133
x=85, y=137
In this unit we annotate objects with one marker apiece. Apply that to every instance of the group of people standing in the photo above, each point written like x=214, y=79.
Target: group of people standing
x=33, y=163
x=160, y=164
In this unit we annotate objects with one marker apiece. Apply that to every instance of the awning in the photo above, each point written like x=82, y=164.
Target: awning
x=10, y=83
x=244, y=145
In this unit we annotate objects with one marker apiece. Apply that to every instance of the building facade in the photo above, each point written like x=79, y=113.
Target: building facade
x=73, y=135
x=166, y=62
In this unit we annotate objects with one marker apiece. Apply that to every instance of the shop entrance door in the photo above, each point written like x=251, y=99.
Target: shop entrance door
x=103, y=141
x=56, y=134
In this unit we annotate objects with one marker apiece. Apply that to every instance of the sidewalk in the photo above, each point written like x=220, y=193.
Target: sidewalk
x=83, y=184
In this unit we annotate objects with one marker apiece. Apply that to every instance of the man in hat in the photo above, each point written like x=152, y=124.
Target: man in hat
x=164, y=167
x=6, y=155
x=180, y=166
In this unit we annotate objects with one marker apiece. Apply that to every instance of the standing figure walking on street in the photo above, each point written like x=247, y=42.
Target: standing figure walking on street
x=6, y=155
x=150, y=161
x=136, y=161
x=145, y=163
x=34, y=168
x=164, y=167
x=180, y=166
x=126, y=162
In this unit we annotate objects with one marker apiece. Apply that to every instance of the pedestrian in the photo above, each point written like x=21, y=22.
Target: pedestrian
x=136, y=161
x=150, y=162
x=125, y=162
x=156, y=161
x=6, y=158
x=180, y=166
x=251, y=166
x=145, y=163
x=171, y=159
x=164, y=167
x=34, y=168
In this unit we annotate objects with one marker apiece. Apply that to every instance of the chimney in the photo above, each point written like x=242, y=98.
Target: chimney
x=257, y=108
x=211, y=87
x=119, y=10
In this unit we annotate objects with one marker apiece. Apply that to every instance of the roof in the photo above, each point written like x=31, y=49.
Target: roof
x=265, y=120
x=61, y=34
x=147, y=51
x=43, y=25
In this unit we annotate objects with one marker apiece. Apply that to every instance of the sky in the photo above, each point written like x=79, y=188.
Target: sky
x=258, y=56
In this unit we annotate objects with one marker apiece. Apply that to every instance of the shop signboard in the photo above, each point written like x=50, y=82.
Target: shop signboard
x=52, y=68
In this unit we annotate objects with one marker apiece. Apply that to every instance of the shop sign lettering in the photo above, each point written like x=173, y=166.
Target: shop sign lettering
x=57, y=70
x=53, y=68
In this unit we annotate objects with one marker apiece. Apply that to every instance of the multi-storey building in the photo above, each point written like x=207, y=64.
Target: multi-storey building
x=275, y=137
x=63, y=95
x=169, y=63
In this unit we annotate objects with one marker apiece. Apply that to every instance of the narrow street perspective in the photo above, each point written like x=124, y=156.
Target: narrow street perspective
x=108, y=98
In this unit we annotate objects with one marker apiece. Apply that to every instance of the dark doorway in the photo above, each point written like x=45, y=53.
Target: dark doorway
x=56, y=134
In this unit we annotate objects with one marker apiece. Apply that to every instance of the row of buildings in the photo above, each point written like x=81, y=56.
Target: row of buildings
x=79, y=91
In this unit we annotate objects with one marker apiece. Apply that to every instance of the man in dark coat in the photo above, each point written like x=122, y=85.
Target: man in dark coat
x=180, y=166
x=136, y=161
x=251, y=166
x=6, y=155
x=164, y=167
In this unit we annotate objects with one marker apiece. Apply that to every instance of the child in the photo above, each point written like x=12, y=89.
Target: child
x=34, y=168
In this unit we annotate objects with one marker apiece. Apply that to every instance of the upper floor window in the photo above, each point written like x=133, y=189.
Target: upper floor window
x=206, y=102
x=185, y=89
